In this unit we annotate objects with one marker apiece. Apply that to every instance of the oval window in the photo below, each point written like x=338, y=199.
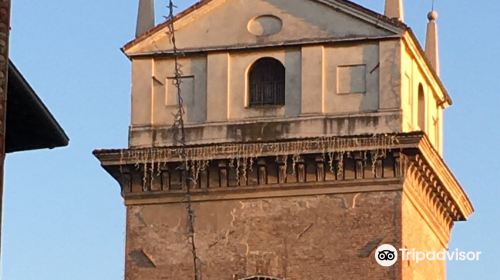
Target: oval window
x=265, y=25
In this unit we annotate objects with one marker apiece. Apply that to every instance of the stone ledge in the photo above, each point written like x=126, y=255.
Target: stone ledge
x=269, y=129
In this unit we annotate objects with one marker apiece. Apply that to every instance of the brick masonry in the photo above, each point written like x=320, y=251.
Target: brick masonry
x=313, y=237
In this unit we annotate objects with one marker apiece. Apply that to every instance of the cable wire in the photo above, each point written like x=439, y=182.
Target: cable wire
x=180, y=139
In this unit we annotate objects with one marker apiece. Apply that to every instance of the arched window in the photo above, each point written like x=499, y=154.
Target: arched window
x=266, y=82
x=260, y=278
x=421, y=107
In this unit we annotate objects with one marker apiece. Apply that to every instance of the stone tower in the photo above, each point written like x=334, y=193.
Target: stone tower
x=313, y=134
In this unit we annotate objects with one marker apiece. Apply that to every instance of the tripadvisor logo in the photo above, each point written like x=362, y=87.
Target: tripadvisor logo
x=387, y=255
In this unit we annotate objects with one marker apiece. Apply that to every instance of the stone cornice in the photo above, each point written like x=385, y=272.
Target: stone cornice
x=449, y=188
x=257, y=167
x=247, y=47
x=421, y=192
x=259, y=149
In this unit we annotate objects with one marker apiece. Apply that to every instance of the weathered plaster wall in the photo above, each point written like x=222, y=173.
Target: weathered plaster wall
x=363, y=87
x=142, y=91
x=313, y=84
x=340, y=81
x=193, y=90
x=271, y=130
x=390, y=75
x=296, y=238
x=375, y=73
x=330, y=90
x=413, y=76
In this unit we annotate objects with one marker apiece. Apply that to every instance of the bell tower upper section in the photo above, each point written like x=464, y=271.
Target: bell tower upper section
x=259, y=70
x=304, y=122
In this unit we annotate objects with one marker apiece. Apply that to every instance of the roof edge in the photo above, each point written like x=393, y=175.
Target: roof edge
x=292, y=43
x=61, y=134
x=394, y=22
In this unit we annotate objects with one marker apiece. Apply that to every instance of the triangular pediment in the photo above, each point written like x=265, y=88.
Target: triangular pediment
x=233, y=23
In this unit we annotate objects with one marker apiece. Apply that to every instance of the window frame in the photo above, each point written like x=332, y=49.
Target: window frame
x=274, y=91
x=421, y=108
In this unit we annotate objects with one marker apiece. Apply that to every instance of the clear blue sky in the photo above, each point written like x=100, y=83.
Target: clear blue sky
x=64, y=217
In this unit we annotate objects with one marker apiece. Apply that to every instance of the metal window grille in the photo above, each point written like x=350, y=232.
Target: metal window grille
x=267, y=83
